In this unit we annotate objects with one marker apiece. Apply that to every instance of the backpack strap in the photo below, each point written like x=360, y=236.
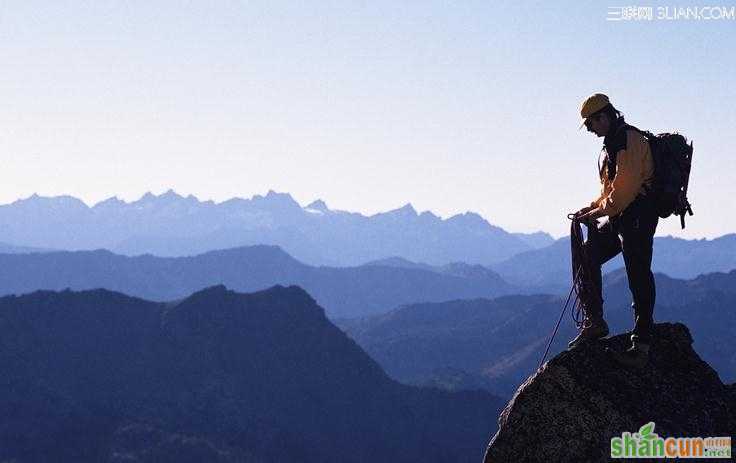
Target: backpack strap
x=613, y=144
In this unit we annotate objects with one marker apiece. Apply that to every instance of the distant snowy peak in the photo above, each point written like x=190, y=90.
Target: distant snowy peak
x=407, y=210
x=271, y=200
x=536, y=240
x=170, y=224
x=109, y=206
x=146, y=198
x=173, y=196
x=280, y=200
x=317, y=207
x=109, y=202
x=149, y=201
x=172, y=199
x=470, y=220
x=63, y=203
x=168, y=197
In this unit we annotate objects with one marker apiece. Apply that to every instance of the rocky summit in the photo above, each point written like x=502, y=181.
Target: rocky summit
x=571, y=407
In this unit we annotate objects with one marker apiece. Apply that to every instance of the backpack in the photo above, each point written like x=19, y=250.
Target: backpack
x=672, y=155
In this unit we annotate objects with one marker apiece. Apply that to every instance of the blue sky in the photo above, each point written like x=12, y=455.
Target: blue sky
x=451, y=106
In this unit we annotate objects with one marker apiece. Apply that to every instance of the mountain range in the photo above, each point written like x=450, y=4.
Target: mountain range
x=437, y=318
x=345, y=292
x=495, y=344
x=218, y=376
x=170, y=225
x=173, y=225
x=548, y=268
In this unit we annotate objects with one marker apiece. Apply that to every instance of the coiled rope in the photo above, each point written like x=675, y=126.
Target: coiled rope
x=586, y=293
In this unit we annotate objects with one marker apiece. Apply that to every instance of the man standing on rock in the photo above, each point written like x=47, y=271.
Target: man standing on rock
x=626, y=178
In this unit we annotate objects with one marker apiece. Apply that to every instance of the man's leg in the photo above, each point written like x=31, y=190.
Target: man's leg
x=638, y=240
x=601, y=246
x=637, y=231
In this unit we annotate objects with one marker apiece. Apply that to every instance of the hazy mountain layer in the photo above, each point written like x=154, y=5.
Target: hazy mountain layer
x=343, y=291
x=172, y=225
x=549, y=267
x=497, y=343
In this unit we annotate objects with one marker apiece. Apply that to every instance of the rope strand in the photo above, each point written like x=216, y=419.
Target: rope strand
x=585, y=289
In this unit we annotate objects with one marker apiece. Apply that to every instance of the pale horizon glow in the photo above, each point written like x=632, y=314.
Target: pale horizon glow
x=365, y=105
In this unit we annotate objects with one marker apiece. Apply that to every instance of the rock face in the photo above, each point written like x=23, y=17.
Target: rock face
x=571, y=408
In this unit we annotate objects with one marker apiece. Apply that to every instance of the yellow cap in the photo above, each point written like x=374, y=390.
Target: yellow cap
x=592, y=105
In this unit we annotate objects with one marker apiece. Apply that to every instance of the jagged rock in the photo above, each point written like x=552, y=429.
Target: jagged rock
x=570, y=408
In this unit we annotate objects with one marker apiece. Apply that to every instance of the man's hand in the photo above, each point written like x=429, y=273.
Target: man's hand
x=590, y=216
x=584, y=210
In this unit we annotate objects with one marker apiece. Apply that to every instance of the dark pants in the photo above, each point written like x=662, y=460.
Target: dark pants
x=631, y=232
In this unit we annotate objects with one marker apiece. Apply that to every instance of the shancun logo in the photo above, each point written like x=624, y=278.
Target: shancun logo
x=647, y=444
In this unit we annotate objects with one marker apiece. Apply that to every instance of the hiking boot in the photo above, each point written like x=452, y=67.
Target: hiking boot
x=635, y=356
x=592, y=329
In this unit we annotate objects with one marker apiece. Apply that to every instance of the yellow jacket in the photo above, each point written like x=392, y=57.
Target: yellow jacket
x=634, y=169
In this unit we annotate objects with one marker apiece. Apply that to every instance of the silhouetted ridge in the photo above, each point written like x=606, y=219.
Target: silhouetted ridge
x=579, y=400
x=297, y=298
x=218, y=376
